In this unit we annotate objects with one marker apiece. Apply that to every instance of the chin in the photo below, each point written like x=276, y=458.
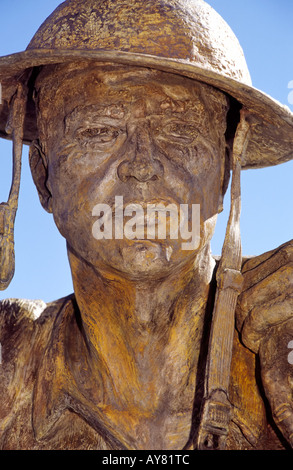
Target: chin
x=145, y=259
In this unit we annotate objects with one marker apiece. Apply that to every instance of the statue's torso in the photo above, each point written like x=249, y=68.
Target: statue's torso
x=45, y=405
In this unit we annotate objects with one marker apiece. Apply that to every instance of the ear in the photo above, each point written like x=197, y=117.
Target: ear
x=39, y=169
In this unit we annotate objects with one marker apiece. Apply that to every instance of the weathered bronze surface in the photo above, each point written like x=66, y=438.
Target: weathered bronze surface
x=148, y=337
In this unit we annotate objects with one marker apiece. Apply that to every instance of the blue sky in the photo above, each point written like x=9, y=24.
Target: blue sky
x=264, y=29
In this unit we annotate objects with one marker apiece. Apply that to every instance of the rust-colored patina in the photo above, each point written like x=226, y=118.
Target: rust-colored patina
x=158, y=347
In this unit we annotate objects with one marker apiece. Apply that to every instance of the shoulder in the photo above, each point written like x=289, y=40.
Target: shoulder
x=267, y=294
x=25, y=326
x=272, y=270
x=17, y=319
x=12, y=309
x=17, y=315
x=257, y=267
x=22, y=319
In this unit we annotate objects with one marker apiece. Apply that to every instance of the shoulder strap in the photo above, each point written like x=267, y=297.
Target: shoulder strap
x=216, y=409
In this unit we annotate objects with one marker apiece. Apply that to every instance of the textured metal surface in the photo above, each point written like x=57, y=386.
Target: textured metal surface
x=183, y=37
x=179, y=29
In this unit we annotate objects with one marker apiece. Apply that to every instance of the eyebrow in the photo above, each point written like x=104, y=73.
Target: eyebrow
x=112, y=111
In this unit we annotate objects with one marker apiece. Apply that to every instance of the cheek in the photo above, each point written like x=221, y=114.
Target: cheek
x=70, y=200
x=78, y=182
x=206, y=191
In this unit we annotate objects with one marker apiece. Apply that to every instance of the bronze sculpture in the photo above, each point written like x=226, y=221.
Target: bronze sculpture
x=116, y=371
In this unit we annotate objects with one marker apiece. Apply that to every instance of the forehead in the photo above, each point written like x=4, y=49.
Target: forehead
x=64, y=89
x=106, y=81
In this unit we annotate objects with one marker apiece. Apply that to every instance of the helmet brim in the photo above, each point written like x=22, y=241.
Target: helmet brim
x=271, y=141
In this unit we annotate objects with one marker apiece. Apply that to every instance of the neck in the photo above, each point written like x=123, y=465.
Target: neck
x=146, y=334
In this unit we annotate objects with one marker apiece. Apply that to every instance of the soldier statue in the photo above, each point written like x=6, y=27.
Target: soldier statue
x=159, y=347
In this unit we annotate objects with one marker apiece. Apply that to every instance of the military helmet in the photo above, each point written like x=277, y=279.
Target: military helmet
x=185, y=37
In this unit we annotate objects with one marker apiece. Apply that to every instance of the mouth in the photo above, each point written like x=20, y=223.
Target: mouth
x=152, y=213
x=155, y=219
x=158, y=202
x=158, y=220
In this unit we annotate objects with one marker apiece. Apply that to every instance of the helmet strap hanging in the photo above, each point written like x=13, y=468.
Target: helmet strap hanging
x=14, y=126
x=217, y=410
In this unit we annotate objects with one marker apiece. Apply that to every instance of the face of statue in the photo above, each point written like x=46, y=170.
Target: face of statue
x=145, y=136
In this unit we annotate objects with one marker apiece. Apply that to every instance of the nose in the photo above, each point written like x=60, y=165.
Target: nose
x=141, y=163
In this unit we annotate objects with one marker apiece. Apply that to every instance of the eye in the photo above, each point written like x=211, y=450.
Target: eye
x=98, y=134
x=180, y=131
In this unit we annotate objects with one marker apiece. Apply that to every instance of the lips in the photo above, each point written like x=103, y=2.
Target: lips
x=143, y=204
x=148, y=213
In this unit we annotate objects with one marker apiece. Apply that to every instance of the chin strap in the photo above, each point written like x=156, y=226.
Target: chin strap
x=217, y=410
x=8, y=209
